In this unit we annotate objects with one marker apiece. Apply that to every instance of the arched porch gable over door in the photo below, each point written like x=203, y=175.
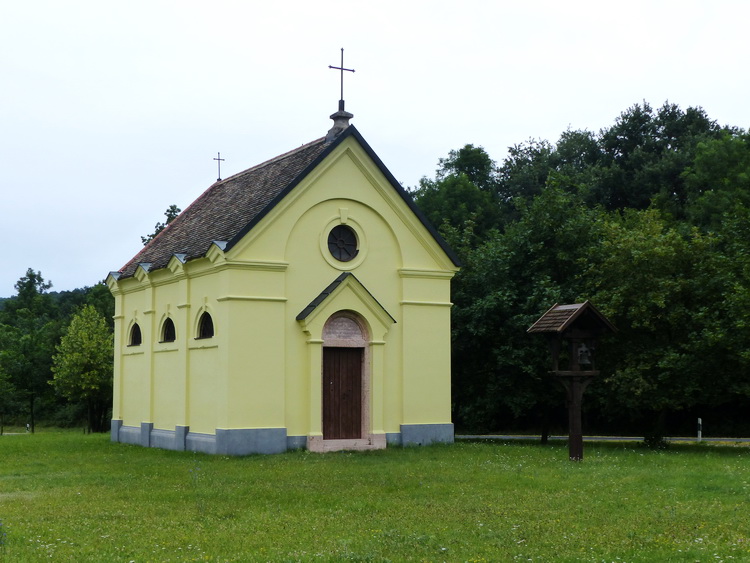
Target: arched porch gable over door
x=346, y=295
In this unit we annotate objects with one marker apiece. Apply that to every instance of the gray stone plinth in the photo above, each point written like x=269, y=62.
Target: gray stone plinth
x=115, y=430
x=146, y=428
x=244, y=441
x=424, y=434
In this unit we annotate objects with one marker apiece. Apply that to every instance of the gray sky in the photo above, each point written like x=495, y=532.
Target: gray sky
x=112, y=111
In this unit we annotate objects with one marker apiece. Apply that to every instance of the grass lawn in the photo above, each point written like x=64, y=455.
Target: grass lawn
x=71, y=497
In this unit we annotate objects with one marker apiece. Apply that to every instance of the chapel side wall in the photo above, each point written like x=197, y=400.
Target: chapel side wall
x=195, y=382
x=135, y=389
x=134, y=381
x=427, y=366
x=170, y=358
x=255, y=305
x=169, y=390
x=203, y=381
x=206, y=357
x=427, y=349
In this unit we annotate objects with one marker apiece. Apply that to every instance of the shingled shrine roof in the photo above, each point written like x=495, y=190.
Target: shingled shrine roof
x=228, y=209
x=559, y=318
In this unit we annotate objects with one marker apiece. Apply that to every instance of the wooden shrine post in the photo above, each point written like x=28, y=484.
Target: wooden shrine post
x=573, y=332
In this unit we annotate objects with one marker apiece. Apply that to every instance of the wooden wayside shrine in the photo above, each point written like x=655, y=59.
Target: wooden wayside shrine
x=573, y=332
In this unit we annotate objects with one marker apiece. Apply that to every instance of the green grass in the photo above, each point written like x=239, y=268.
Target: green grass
x=73, y=497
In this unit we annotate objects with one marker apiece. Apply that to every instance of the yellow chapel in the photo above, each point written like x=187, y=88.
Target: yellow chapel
x=302, y=303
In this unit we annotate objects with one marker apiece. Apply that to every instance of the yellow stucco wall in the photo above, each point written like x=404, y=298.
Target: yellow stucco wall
x=262, y=367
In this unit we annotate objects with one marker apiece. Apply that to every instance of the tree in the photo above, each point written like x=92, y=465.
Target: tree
x=171, y=214
x=462, y=197
x=83, y=365
x=29, y=321
x=733, y=305
x=645, y=153
x=524, y=172
x=506, y=282
x=664, y=291
x=454, y=201
x=718, y=180
x=647, y=218
x=102, y=300
x=474, y=163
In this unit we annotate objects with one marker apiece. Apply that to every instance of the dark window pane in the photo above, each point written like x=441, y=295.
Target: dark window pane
x=168, y=333
x=205, y=326
x=135, y=335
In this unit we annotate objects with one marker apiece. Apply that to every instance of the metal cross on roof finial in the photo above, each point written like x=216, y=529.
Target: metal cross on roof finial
x=342, y=69
x=220, y=160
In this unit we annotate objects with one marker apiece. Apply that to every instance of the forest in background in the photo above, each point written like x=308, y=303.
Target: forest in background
x=52, y=368
x=649, y=219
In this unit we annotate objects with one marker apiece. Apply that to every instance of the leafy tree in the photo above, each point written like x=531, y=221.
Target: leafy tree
x=101, y=299
x=455, y=201
x=637, y=161
x=662, y=289
x=171, y=214
x=67, y=303
x=31, y=295
x=499, y=372
x=718, y=179
x=524, y=172
x=645, y=153
x=474, y=163
x=733, y=304
x=29, y=321
x=576, y=151
x=461, y=198
x=83, y=365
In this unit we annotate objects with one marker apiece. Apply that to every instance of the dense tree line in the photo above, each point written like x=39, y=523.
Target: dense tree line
x=650, y=220
x=39, y=379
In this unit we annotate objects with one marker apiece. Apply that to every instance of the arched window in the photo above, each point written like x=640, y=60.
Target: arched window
x=205, y=326
x=135, y=336
x=167, y=331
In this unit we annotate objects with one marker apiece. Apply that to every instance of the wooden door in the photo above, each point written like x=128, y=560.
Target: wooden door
x=342, y=393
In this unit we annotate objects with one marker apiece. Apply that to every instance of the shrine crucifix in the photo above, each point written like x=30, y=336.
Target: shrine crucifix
x=341, y=69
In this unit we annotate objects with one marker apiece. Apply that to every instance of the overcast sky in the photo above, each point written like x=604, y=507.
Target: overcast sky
x=112, y=111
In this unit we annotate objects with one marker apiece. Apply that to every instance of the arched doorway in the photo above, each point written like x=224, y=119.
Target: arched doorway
x=345, y=378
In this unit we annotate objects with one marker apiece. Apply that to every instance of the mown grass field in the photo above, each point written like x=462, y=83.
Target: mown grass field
x=71, y=497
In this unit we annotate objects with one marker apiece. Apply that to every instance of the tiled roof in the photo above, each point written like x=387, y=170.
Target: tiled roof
x=226, y=208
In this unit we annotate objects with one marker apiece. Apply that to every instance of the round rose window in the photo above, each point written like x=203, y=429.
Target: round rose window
x=342, y=243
